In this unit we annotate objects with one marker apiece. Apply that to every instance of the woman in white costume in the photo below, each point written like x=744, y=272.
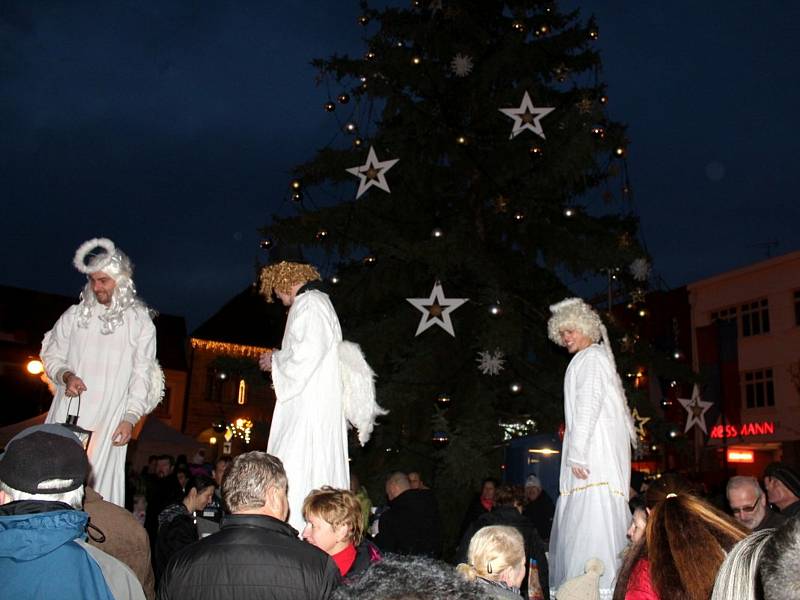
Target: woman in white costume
x=308, y=431
x=592, y=514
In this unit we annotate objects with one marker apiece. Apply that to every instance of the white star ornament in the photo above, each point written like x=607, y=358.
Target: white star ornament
x=372, y=173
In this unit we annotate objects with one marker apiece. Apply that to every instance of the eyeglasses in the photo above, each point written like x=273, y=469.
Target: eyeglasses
x=746, y=509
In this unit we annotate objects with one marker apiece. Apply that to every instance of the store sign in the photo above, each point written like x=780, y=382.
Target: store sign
x=747, y=429
x=741, y=456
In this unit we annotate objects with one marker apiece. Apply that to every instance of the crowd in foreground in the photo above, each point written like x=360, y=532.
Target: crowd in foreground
x=59, y=539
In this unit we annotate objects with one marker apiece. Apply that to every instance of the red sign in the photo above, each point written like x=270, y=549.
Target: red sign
x=732, y=431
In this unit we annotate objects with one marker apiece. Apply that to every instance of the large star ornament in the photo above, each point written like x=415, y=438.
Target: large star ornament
x=640, y=422
x=696, y=410
x=526, y=117
x=372, y=173
x=436, y=309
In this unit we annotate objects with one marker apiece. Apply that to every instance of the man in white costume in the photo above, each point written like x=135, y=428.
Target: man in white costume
x=592, y=514
x=308, y=431
x=101, y=356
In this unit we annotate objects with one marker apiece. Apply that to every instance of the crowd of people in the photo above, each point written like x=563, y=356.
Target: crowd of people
x=285, y=523
x=680, y=544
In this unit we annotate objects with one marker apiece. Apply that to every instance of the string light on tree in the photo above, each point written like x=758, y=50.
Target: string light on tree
x=266, y=244
x=515, y=387
x=329, y=107
x=343, y=98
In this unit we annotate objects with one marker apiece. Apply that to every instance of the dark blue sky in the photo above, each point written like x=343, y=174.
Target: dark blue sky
x=171, y=128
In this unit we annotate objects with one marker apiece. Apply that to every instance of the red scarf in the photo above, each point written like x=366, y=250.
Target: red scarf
x=345, y=559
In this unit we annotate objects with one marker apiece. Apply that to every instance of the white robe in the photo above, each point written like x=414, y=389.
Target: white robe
x=116, y=370
x=592, y=515
x=308, y=431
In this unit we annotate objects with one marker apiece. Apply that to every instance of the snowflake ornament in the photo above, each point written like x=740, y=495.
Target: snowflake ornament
x=461, y=65
x=491, y=363
x=640, y=269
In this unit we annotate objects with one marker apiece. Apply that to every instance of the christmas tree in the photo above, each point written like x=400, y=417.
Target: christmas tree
x=473, y=158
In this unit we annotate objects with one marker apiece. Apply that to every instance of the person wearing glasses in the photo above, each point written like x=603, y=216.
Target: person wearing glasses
x=749, y=504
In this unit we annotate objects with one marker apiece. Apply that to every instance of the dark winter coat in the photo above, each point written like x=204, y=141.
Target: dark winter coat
x=474, y=510
x=771, y=520
x=540, y=512
x=367, y=553
x=176, y=530
x=123, y=538
x=252, y=556
x=534, y=546
x=411, y=525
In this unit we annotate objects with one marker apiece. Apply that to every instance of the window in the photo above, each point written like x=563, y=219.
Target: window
x=797, y=308
x=758, y=388
x=755, y=318
x=724, y=314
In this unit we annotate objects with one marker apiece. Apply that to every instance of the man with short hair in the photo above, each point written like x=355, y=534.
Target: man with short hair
x=777, y=566
x=43, y=549
x=749, y=504
x=101, y=356
x=411, y=523
x=415, y=479
x=215, y=509
x=255, y=554
x=539, y=508
x=783, y=488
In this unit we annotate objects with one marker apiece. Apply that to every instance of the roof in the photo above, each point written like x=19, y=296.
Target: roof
x=245, y=319
x=26, y=315
x=759, y=266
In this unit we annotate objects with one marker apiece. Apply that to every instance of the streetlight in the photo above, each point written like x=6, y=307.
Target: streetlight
x=34, y=366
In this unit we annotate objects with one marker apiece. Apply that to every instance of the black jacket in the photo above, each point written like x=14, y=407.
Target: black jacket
x=534, y=546
x=252, y=556
x=411, y=525
x=176, y=531
x=540, y=512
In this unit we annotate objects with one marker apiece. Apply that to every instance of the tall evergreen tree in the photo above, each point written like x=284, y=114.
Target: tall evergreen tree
x=509, y=187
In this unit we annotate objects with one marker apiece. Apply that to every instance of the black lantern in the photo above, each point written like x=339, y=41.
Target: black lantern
x=71, y=423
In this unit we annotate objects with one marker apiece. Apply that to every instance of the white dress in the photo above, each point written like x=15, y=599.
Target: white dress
x=116, y=370
x=308, y=431
x=592, y=515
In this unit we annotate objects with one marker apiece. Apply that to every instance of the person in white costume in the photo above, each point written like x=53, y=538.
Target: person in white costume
x=101, y=356
x=592, y=514
x=308, y=431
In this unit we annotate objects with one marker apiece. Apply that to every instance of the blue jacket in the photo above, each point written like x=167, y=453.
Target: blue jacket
x=40, y=556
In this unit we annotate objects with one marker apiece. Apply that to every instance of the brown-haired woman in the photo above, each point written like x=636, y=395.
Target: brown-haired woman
x=686, y=541
x=334, y=523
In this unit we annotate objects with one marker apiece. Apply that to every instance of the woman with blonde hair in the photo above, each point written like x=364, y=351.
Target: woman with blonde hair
x=496, y=560
x=334, y=524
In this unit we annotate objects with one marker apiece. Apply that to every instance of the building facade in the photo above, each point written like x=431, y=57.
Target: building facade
x=757, y=417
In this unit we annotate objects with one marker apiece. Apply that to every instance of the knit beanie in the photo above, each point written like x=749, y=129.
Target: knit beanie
x=586, y=586
x=43, y=453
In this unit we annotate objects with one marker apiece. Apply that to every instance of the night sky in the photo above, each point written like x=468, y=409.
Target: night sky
x=171, y=127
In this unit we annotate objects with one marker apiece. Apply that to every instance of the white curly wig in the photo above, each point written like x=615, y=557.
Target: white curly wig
x=574, y=313
x=114, y=263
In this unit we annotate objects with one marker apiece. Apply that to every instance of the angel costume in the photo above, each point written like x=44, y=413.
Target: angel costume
x=592, y=515
x=308, y=431
x=113, y=350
